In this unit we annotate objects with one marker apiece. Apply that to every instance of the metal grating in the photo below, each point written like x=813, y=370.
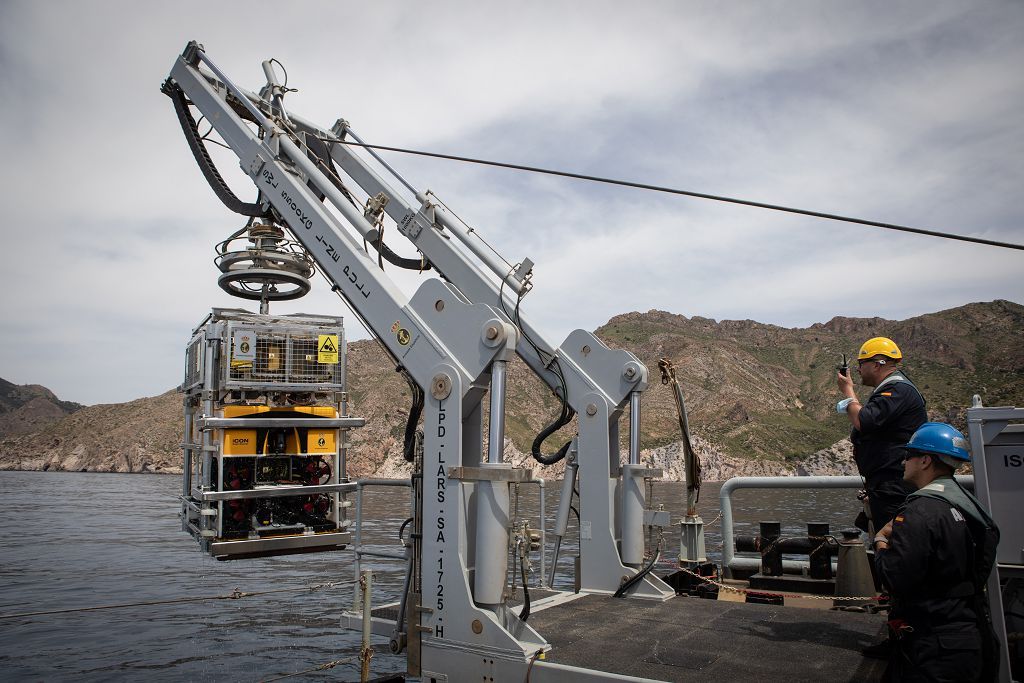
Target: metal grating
x=194, y=363
x=283, y=356
x=263, y=352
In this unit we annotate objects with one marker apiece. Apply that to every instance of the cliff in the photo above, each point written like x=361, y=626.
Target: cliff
x=760, y=398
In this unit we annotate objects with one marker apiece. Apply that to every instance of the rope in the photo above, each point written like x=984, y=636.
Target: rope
x=689, y=193
x=234, y=595
x=746, y=591
x=322, y=667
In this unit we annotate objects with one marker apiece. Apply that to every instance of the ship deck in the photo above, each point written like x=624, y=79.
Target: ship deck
x=690, y=639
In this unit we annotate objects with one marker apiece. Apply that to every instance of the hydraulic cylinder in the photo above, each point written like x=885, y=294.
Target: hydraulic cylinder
x=632, y=543
x=492, y=505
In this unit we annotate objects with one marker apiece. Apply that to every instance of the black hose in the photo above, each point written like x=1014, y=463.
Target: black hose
x=320, y=154
x=567, y=415
x=525, y=613
x=401, y=529
x=400, y=261
x=202, y=156
x=639, y=576
x=415, y=410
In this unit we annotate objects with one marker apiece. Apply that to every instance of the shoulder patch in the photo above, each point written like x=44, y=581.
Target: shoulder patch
x=886, y=393
x=897, y=519
x=957, y=515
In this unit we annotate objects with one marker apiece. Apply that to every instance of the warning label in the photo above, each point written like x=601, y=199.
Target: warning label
x=327, y=349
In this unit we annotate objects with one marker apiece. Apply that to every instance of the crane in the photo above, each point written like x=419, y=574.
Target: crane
x=453, y=340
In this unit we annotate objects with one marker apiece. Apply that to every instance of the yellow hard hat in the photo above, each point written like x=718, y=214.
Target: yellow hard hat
x=879, y=346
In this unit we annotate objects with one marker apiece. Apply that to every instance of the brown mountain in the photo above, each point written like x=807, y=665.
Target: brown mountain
x=29, y=407
x=760, y=397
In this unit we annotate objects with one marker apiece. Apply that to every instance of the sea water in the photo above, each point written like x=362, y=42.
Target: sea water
x=76, y=540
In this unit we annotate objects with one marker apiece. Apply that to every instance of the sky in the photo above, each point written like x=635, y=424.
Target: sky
x=900, y=112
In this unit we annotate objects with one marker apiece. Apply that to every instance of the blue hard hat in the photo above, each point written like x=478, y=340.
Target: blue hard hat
x=939, y=438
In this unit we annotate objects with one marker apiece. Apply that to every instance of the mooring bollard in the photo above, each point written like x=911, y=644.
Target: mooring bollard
x=771, y=554
x=820, y=554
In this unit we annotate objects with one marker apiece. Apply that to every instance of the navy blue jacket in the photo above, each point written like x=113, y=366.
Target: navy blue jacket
x=888, y=419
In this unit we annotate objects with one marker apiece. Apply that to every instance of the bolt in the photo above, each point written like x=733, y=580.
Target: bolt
x=630, y=372
x=492, y=332
x=591, y=409
x=441, y=386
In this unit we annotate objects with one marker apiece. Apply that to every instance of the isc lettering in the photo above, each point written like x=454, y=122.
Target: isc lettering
x=1013, y=460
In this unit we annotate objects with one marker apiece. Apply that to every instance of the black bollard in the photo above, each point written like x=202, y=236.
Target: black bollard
x=771, y=554
x=820, y=553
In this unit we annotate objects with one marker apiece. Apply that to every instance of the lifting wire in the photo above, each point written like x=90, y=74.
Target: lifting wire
x=322, y=667
x=690, y=193
x=234, y=595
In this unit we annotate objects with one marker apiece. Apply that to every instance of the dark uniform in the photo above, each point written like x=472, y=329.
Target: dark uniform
x=935, y=568
x=887, y=421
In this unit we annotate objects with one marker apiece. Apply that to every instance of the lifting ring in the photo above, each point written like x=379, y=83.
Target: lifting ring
x=250, y=284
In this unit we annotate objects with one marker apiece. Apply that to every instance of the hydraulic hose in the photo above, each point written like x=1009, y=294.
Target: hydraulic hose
x=320, y=154
x=202, y=156
x=639, y=576
x=524, y=614
x=401, y=529
x=415, y=410
x=567, y=415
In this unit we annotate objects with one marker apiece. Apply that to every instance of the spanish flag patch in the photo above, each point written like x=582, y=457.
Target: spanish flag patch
x=899, y=518
x=886, y=393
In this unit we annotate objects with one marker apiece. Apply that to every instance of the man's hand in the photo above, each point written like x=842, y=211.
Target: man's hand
x=881, y=540
x=845, y=385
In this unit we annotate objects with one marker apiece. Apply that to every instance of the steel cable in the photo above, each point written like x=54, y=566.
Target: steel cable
x=691, y=193
x=234, y=595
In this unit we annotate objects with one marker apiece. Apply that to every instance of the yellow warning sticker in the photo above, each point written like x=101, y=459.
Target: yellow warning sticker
x=327, y=349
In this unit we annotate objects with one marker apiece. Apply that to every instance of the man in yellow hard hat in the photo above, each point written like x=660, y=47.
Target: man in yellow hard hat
x=882, y=425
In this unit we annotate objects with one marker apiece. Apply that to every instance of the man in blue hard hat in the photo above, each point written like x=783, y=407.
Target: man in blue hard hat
x=935, y=557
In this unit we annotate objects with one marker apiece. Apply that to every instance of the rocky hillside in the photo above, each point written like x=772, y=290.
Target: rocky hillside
x=760, y=398
x=139, y=436
x=762, y=391
x=29, y=408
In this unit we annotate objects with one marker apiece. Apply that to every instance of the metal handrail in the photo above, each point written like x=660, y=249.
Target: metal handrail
x=543, y=533
x=729, y=559
x=357, y=547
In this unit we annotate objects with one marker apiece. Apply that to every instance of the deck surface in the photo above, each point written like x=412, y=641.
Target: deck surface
x=689, y=639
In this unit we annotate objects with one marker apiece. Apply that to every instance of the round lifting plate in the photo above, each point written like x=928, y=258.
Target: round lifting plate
x=248, y=284
x=441, y=386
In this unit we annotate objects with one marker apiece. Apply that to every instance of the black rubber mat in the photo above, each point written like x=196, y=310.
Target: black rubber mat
x=688, y=639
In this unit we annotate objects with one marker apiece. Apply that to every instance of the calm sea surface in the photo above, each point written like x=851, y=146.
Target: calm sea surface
x=75, y=540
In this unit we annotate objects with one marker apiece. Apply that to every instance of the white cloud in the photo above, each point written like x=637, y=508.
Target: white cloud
x=905, y=112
